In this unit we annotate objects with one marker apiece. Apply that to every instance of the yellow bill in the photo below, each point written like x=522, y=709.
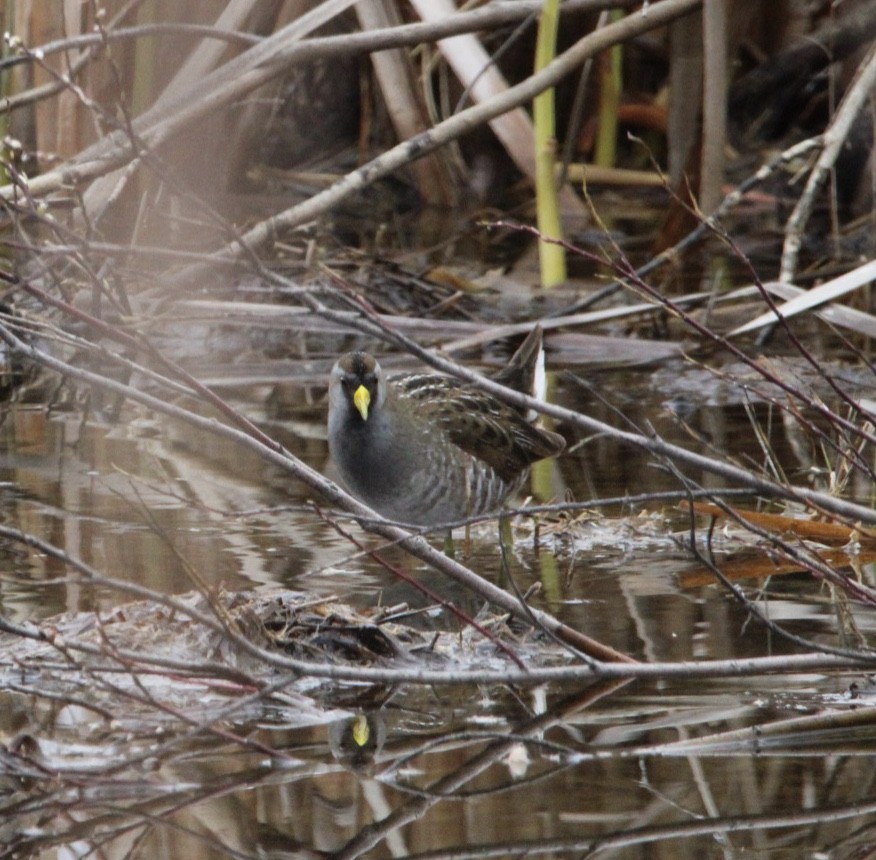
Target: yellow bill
x=362, y=400
x=361, y=730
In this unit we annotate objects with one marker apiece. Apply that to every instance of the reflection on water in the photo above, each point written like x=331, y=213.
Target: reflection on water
x=594, y=770
x=415, y=770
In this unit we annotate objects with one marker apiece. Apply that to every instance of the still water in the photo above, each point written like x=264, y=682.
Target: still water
x=161, y=767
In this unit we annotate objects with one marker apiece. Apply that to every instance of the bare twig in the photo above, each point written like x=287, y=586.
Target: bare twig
x=273, y=452
x=267, y=59
x=450, y=129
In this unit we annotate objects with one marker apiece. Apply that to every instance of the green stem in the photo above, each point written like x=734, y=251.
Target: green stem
x=552, y=257
x=610, y=87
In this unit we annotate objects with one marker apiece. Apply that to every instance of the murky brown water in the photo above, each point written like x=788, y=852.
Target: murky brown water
x=463, y=772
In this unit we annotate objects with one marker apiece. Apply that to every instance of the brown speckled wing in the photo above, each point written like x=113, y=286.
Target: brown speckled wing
x=478, y=423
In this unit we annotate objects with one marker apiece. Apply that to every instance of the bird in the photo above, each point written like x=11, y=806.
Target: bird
x=426, y=449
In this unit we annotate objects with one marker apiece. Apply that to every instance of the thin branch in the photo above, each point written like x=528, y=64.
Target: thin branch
x=276, y=454
x=451, y=129
x=269, y=58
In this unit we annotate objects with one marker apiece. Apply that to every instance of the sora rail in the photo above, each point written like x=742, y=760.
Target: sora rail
x=426, y=449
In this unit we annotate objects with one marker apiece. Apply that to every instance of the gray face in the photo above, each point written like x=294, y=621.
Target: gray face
x=356, y=388
x=362, y=440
